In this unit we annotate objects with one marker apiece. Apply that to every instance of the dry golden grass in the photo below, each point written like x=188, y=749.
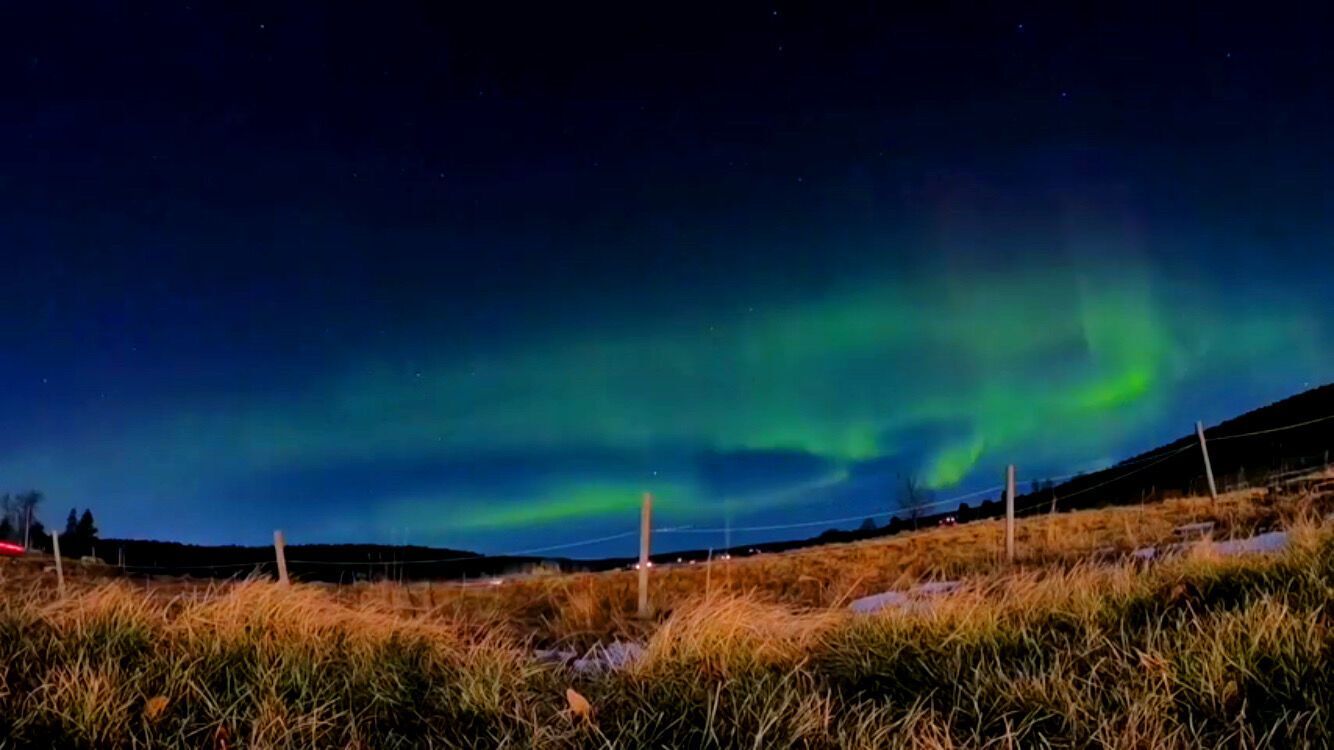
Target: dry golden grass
x=1200, y=651
x=583, y=608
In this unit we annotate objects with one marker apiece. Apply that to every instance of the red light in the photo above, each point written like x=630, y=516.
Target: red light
x=10, y=547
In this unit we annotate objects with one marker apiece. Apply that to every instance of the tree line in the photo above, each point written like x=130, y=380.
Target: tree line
x=19, y=523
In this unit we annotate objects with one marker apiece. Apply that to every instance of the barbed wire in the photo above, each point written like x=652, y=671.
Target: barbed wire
x=1119, y=477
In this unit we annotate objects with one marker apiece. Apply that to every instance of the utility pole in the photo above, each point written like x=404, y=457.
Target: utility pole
x=645, y=535
x=1009, y=513
x=27, y=529
x=1208, y=469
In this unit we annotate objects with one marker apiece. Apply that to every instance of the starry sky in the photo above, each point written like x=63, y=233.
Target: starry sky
x=479, y=274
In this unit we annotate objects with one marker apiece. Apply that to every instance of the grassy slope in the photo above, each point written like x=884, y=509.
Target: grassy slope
x=585, y=608
x=1196, y=652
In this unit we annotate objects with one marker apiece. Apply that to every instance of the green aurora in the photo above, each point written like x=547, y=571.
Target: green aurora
x=944, y=380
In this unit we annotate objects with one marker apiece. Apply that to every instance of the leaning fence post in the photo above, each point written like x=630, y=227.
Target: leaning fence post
x=645, y=533
x=1208, y=470
x=60, y=570
x=279, y=545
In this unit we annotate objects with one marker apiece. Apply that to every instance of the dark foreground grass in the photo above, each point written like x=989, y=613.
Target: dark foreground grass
x=1198, y=652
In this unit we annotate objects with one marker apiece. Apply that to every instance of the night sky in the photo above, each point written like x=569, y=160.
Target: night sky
x=478, y=274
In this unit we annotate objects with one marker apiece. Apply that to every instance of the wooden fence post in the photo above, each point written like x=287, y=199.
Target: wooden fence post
x=1009, y=513
x=279, y=548
x=60, y=569
x=645, y=534
x=708, y=574
x=1208, y=470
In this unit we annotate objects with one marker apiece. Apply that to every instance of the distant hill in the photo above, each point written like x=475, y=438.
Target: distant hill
x=1291, y=434
x=1295, y=433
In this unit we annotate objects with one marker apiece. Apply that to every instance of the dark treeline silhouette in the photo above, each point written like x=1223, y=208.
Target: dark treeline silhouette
x=1171, y=470
x=332, y=563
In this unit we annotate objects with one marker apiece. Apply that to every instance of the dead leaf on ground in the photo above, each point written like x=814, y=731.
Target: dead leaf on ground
x=155, y=707
x=579, y=705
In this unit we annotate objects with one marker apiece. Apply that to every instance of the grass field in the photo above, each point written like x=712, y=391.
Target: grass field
x=583, y=608
x=1199, y=651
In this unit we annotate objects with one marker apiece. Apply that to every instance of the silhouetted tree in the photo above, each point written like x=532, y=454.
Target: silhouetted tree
x=86, y=533
x=6, y=529
x=87, y=529
x=867, y=525
x=913, y=497
x=79, y=535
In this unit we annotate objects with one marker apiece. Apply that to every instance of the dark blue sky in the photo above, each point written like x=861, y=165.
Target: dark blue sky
x=478, y=276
